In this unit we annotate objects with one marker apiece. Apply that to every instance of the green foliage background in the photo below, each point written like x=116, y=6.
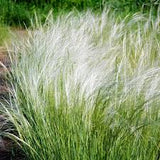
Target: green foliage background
x=19, y=12
x=3, y=34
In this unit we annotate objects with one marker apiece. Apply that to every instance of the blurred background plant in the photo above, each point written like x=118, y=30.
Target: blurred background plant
x=3, y=34
x=19, y=12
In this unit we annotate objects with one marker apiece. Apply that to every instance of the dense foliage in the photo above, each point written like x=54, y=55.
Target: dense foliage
x=131, y=4
x=16, y=12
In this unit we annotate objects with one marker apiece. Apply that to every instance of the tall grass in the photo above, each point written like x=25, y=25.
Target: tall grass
x=86, y=87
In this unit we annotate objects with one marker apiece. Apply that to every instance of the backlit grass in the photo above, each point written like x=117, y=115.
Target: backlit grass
x=86, y=87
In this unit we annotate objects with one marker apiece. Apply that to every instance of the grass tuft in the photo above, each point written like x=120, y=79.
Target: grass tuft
x=86, y=86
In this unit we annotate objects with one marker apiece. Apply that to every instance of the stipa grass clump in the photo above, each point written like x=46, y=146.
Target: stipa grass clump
x=86, y=86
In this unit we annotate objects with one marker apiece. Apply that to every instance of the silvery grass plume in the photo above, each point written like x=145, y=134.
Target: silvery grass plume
x=86, y=86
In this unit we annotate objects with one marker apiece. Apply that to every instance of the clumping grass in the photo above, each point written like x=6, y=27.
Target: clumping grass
x=87, y=86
